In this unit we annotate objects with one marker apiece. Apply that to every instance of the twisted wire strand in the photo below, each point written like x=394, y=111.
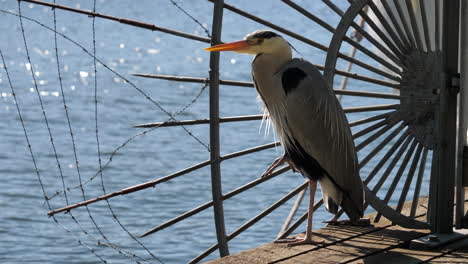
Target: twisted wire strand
x=47, y=198
x=207, y=32
x=127, y=253
x=36, y=169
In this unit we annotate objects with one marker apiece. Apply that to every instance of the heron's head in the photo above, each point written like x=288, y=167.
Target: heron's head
x=261, y=41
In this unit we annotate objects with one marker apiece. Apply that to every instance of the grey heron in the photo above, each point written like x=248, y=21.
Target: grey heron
x=309, y=122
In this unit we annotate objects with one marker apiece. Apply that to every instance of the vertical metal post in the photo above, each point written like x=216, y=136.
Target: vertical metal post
x=463, y=114
x=443, y=183
x=214, y=131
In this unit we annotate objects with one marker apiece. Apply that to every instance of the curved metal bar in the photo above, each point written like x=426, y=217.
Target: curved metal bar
x=392, y=165
x=417, y=188
x=363, y=33
x=174, y=123
x=390, y=213
x=240, y=118
x=207, y=205
x=370, y=128
x=409, y=178
x=299, y=221
x=379, y=32
x=400, y=171
x=178, y=218
x=273, y=26
x=333, y=7
x=349, y=66
x=423, y=9
x=131, y=189
x=215, y=159
x=385, y=158
x=414, y=25
x=310, y=42
x=336, y=41
x=256, y=117
x=292, y=212
x=250, y=150
x=374, y=136
x=368, y=94
x=361, y=77
x=268, y=210
x=386, y=25
x=397, y=178
x=201, y=121
x=203, y=255
x=252, y=221
x=309, y=15
x=370, y=119
x=437, y=24
x=409, y=33
x=379, y=147
x=395, y=23
x=123, y=21
x=250, y=84
x=173, y=77
x=255, y=183
x=346, y=38
x=371, y=108
x=192, y=79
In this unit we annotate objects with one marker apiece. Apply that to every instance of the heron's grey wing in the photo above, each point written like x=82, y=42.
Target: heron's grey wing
x=319, y=125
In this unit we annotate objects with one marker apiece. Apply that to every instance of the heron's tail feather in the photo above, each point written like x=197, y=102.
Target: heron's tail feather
x=332, y=196
x=354, y=213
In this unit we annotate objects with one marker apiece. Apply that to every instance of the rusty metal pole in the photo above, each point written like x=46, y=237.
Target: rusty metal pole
x=214, y=131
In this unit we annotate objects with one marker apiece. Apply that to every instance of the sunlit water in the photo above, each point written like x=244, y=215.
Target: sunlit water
x=29, y=236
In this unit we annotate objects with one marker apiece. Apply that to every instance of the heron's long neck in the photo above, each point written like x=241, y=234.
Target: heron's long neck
x=270, y=63
x=264, y=67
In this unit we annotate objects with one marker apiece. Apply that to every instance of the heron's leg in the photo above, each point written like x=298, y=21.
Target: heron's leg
x=278, y=162
x=307, y=240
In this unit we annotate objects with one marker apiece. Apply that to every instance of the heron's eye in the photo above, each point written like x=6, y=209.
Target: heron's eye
x=260, y=41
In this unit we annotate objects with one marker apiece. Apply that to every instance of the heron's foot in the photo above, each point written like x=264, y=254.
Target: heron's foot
x=278, y=162
x=300, y=241
x=360, y=222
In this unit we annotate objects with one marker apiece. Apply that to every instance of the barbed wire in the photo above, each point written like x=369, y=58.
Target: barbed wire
x=145, y=95
x=207, y=32
x=101, y=168
x=51, y=136
x=120, y=250
x=33, y=158
x=172, y=117
x=203, y=88
x=114, y=216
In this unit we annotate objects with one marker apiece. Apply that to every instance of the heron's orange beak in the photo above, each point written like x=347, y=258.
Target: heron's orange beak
x=232, y=46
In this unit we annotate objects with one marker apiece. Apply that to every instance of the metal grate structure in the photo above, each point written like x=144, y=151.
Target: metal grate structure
x=402, y=51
